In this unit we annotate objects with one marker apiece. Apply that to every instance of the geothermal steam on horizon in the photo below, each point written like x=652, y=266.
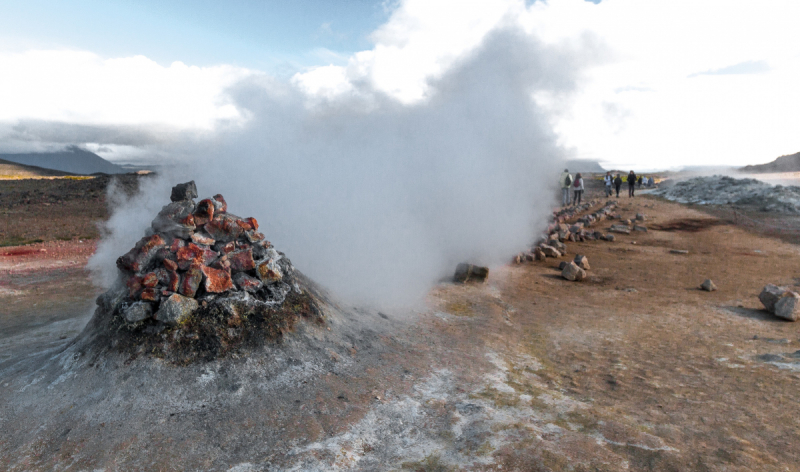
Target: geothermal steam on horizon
x=377, y=200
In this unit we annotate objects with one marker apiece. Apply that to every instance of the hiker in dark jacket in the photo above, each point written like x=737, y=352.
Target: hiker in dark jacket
x=618, y=184
x=631, y=184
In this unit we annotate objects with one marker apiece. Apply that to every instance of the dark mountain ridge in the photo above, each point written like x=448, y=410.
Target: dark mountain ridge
x=73, y=160
x=788, y=163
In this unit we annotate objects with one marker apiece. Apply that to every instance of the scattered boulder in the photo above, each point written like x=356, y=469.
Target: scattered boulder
x=640, y=217
x=470, y=273
x=708, y=285
x=573, y=273
x=550, y=251
x=562, y=264
x=641, y=228
x=788, y=307
x=538, y=254
x=678, y=251
x=620, y=229
x=770, y=295
x=582, y=261
x=610, y=237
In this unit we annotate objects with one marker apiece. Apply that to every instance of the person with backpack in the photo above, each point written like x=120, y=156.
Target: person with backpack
x=608, y=181
x=631, y=184
x=566, y=182
x=577, y=186
x=618, y=183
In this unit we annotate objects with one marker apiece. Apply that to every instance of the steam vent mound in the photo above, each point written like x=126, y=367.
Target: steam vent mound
x=202, y=283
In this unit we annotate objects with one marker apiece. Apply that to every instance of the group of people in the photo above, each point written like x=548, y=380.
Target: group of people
x=568, y=183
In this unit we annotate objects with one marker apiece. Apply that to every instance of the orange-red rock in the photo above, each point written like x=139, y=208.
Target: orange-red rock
x=216, y=280
x=242, y=260
x=204, y=212
x=191, y=281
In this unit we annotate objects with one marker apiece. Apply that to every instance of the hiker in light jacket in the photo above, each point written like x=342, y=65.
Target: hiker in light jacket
x=577, y=186
x=566, y=182
x=608, y=181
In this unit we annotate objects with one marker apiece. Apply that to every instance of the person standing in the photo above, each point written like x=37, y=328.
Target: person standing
x=608, y=180
x=566, y=183
x=618, y=183
x=631, y=184
x=640, y=182
x=578, y=187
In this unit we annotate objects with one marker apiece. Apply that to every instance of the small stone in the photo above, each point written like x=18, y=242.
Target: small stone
x=610, y=237
x=708, y=285
x=189, y=255
x=185, y=191
x=640, y=228
x=224, y=228
x=469, y=273
x=562, y=264
x=788, y=307
x=204, y=212
x=254, y=236
x=678, y=251
x=141, y=256
x=640, y=217
x=246, y=282
x=170, y=264
x=202, y=238
x=582, y=261
x=191, y=281
x=176, y=309
x=550, y=251
x=538, y=254
x=150, y=280
x=150, y=294
x=770, y=295
x=620, y=229
x=174, y=220
x=572, y=272
x=217, y=281
x=242, y=260
x=220, y=206
x=138, y=311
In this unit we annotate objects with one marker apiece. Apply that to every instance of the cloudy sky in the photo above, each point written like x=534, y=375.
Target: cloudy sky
x=656, y=84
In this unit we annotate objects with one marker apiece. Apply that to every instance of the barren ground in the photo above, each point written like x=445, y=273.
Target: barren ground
x=634, y=369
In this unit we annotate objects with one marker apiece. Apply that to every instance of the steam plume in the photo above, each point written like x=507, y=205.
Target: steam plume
x=377, y=200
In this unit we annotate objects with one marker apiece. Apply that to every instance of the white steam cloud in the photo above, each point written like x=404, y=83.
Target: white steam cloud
x=378, y=200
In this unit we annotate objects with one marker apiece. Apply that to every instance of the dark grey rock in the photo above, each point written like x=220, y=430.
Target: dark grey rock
x=471, y=273
x=185, y=191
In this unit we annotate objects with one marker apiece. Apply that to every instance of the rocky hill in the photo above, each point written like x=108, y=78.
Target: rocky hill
x=789, y=163
x=73, y=160
x=12, y=170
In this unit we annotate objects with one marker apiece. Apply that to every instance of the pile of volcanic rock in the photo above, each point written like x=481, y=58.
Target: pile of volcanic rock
x=781, y=302
x=194, y=254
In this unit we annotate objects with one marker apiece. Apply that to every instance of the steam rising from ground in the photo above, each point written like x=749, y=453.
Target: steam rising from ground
x=377, y=200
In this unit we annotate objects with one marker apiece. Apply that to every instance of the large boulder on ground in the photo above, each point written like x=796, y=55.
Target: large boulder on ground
x=573, y=273
x=770, y=295
x=538, y=254
x=470, y=273
x=708, y=285
x=788, y=307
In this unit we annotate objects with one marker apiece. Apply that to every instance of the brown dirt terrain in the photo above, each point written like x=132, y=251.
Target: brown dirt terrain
x=632, y=369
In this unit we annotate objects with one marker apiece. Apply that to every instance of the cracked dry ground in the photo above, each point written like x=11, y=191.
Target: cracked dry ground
x=632, y=369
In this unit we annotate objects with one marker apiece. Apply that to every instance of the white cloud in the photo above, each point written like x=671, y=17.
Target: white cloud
x=80, y=87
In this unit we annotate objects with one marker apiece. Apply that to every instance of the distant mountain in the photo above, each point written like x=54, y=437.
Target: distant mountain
x=583, y=165
x=12, y=170
x=73, y=160
x=790, y=163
